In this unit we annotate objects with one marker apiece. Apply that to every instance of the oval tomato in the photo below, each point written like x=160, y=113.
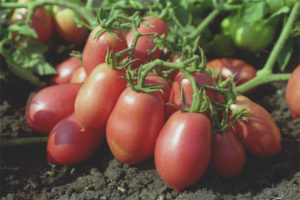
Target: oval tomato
x=143, y=45
x=293, y=93
x=65, y=70
x=156, y=79
x=98, y=96
x=69, y=143
x=228, y=155
x=50, y=105
x=134, y=125
x=183, y=149
x=259, y=132
x=95, y=49
x=41, y=21
x=230, y=66
x=79, y=76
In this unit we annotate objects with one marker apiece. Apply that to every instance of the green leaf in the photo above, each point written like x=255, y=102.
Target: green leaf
x=102, y=15
x=182, y=9
x=277, y=14
x=285, y=55
x=254, y=10
x=23, y=29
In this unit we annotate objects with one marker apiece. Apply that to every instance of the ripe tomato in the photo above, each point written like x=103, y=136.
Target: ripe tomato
x=143, y=45
x=230, y=66
x=95, y=49
x=98, y=96
x=183, y=149
x=133, y=126
x=50, y=105
x=155, y=79
x=79, y=76
x=41, y=21
x=69, y=143
x=293, y=93
x=65, y=70
x=228, y=155
x=66, y=26
x=259, y=132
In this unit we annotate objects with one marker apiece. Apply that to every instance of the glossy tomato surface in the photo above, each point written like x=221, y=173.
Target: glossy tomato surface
x=156, y=79
x=79, y=76
x=50, y=105
x=134, y=125
x=293, y=93
x=69, y=143
x=183, y=149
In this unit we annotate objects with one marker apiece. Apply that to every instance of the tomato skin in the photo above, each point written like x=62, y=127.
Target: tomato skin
x=292, y=94
x=65, y=70
x=41, y=22
x=66, y=26
x=50, y=105
x=79, y=76
x=183, y=149
x=95, y=49
x=98, y=96
x=143, y=44
x=155, y=79
x=259, y=134
x=134, y=125
x=69, y=143
x=229, y=66
x=228, y=155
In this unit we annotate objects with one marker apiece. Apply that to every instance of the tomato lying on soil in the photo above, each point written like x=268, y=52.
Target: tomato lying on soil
x=232, y=66
x=258, y=132
x=134, y=124
x=69, y=143
x=50, y=105
x=183, y=149
x=98, y=96
x=228, y=154
x=65, y=70
x=95, y=49
x=143, y=45
x=79, y=76
x=293, y=93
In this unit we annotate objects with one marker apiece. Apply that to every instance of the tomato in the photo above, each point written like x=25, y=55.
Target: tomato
x=293, y=93
x=259, y=132
x=95, y=49
x=181, y=81
x=65, y=70
x=143, y=45
x=228, y=154
x=69, y=143
x=183, y=149
x=98, y=96
x=66, y=25
x=155, y=79
x=41, y=22
x=79, y=76
x=230, y=66
x=133, y=126
x=50, y=105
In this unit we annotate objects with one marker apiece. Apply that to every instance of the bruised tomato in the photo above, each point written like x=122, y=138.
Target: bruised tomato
x=50, y=105
x=293, y=93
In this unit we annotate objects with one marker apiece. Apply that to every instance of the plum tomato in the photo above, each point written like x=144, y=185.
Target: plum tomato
x=50, y=105
x=98, y=96
x=143, y=45
x=79, y=76
x=155, y=79
x=133, y=126
x=232, y=66
x=95, y=49
x=228, y=154
x=258, y=131
x=65, y=70
x=293, y=93
x=69, y=143
x=183, y=149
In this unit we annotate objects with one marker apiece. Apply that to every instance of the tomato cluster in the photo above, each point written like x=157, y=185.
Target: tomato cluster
x=92, y=102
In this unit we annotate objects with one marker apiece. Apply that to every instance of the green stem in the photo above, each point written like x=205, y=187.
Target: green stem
x=22, y=141
x=284, y=35
x=260, y=80
x=89, y=4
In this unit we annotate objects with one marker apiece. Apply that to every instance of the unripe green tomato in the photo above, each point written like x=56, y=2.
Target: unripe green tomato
x=228, y=25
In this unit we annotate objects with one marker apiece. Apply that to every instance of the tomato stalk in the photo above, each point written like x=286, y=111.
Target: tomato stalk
x=22, y=141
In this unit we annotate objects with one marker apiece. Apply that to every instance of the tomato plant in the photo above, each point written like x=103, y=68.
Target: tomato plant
x=183, y=149
x=134, y=125
x=50, y=105
x=293, y=93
